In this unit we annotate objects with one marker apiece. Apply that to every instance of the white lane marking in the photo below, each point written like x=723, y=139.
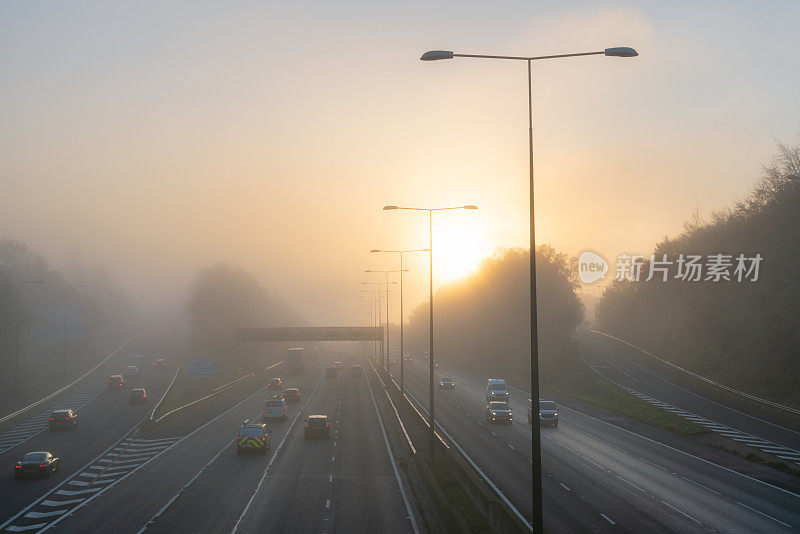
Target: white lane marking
x=328, y=503
x=702, y=486
x=272, y=459
x=604, y=516
x=71, y=493
x=39, y=515
x=510, y=446
x=61, y=503
x=762, y=513
x=391, y=459
x=330, y=478
x=630, y=483
x=594, y=463
x=563, y=486
x=23, y=529
x=654, y=464
x=682, y=513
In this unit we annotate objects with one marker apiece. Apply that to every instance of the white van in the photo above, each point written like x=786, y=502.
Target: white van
x=274, y=409
x=496, y=390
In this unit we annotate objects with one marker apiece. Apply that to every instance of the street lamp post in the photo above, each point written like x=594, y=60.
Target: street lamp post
x=379, y=284
x=386, y=359
x=377, y=297
x=16, y=346
x=432, y=429
x=402, y=320
x=64, y=353
x=536, y=466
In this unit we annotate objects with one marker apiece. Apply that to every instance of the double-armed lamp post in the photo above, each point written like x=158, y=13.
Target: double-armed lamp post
x=432, y=429
x=536, y=467
x=402, y=348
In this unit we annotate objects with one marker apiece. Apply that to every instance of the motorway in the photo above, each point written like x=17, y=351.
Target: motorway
x=104, y=417
x=599, y=477
x=194, y=481
x=625, y=367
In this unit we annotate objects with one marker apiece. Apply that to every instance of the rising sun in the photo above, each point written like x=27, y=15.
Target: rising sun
x=459, y=245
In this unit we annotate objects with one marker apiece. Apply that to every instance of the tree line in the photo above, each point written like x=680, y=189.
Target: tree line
x=746, y=334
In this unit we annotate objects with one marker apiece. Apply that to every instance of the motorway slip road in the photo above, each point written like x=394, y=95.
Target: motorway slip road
x=628, y=369
x=599, y=477
x=200, y=484
x=105, y=417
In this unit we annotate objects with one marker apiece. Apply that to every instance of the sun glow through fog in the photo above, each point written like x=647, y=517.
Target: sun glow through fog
x=459, y=245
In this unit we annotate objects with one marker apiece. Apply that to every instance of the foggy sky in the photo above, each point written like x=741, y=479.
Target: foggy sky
x=154, y=139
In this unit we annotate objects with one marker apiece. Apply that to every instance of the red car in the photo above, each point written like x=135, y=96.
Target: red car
x=274, y=383
x=160, y=363
x=291, y=395
x=116, y=382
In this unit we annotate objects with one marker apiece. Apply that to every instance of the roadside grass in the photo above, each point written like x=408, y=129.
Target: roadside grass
x=580, y=383
x=756, y=459
x=457, y=497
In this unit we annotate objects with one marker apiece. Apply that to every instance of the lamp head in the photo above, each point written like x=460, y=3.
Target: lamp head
x=621, y=51
x=390, y=208
x=435, y=55
x=470, y=207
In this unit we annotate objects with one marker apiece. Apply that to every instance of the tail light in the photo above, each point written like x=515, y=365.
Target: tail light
x=52, y=419
x=42, y=465
x=18, y=466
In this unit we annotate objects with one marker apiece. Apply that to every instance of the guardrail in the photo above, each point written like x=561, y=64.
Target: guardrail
x=501, y=514
x=25, y=410
x=701, y=377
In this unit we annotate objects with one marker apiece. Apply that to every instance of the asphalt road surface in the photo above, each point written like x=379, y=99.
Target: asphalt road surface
x=599, y=477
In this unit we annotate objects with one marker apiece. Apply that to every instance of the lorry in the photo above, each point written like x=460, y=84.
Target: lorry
x=295, y=361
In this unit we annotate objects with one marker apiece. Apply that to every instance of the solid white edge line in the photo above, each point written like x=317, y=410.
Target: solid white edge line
x=394, y=464
x=762, y=513
x=275, y=455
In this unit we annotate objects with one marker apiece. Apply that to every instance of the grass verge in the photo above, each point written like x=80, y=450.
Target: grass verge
x=584, y=385
x=457, y=497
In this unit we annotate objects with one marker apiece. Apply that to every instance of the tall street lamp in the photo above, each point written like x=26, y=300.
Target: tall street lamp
x=432, y=429
x=386, y=359
x=536, y=466
x=16, y=346
x=379, y=284
x=376, y=296
x=402, y=319
x=64, y=355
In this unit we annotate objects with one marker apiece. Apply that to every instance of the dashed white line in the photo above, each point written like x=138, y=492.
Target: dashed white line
x=604, y=516
x=702, y=486
x=682, y=513
x=631, y=483
x=563, y=486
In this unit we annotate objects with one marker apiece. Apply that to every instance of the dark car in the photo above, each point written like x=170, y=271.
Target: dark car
x=116, y=382
x=447, y=383
x=39, y=463
x=291, y=395
x=138, y=396
x=338, y=364
x=274, y=383
x=160, y=363
x=356, y=371
x=499, y=412
x=63, y=419
x=317, y=426
x=253, y=437
x=548, y=412
x=331, y=372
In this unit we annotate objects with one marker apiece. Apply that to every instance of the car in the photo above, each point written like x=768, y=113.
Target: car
x=447, y=383
x=548, y=413
x=392, y=362
x=331, y=372
x=338, y=364
x=356, y=371
x=291, y=395
x=131, y=370
x=160, y=363
x=116, y=382
x=63, y=419
x=408, y=358
x=435, y=364
x=37, y=463
x=253, y=437
x=274, y=408
x=317, y=425
x=138, y=396
x=274, y=383
x=496, y=389
x=499, y=411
